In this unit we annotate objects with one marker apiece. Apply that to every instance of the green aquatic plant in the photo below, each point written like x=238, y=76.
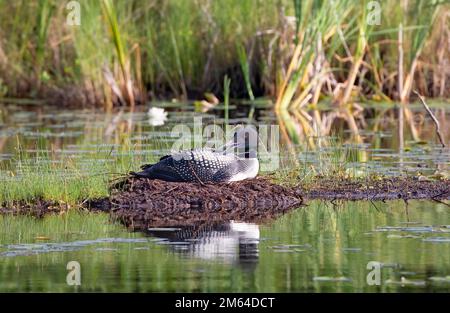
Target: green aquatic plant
x=245, y=67
x=330, y=158
x=183, y=48
x=59, y=176
x=226, y=97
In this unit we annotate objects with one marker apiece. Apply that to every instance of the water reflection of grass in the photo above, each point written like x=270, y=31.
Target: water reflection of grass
x=339, y=241
x=71, y=226
x=343, y=241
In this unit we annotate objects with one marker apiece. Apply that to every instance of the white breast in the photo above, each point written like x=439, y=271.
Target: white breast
x=251, y=171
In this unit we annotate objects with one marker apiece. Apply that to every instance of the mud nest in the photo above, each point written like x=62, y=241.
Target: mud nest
x=141, y=203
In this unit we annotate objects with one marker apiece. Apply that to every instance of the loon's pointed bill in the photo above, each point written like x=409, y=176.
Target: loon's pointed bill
x=208, y=165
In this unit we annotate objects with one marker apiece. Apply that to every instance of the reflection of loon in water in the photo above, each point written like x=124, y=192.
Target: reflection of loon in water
x=232, y=242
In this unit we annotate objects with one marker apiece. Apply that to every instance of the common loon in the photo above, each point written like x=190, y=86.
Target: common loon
x=208, y=165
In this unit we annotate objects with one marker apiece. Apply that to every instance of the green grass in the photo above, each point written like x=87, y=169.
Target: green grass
x=226, y=95
x=245, y=67
x=70, y=179
x=61, y=177
x=330, y=159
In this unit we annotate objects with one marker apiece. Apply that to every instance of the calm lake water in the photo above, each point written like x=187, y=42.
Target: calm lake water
x=317, y=248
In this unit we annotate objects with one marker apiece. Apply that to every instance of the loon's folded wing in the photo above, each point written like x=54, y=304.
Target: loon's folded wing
x=147, y=166
x=163, y=170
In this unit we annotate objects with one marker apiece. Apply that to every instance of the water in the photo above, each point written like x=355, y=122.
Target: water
x=318, y=248
x=322, y=247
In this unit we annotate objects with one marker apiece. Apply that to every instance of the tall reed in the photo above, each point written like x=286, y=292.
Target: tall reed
x=302, y=52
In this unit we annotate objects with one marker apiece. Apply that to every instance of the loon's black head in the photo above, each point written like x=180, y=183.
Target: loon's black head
x=245, y=139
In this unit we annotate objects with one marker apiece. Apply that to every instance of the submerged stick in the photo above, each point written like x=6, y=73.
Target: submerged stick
x=435, y=120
